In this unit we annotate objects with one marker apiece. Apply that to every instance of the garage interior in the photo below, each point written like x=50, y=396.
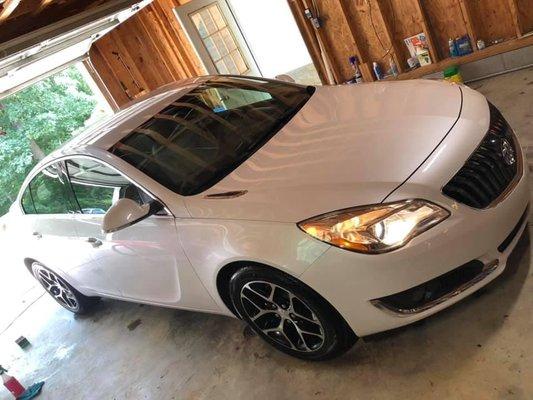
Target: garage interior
x=480, y=348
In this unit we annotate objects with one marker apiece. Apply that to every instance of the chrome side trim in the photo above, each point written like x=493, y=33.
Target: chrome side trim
x=406, y=312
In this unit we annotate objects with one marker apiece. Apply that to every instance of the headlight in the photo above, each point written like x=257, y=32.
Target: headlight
x=375, y=229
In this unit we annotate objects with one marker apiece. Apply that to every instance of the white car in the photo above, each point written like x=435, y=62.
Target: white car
x=316, y=214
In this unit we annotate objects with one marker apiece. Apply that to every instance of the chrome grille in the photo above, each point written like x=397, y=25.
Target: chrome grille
x=489, y=171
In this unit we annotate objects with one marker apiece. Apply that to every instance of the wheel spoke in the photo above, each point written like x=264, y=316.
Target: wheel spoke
x=295, y=311
x=289, y=340
x=305, y=318
x=300, y=335
x=279, y=334
x=269, y=298
x=46, y=279
x=260, y=314
x=57, y=288
x=252, y=301
x=298, y=329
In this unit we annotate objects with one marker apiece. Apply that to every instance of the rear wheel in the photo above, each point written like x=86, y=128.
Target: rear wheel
x=61, y=291
x=289, y=315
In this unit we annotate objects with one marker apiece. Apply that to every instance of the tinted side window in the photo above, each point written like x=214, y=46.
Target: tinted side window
x=97, y=187
x=48, y=193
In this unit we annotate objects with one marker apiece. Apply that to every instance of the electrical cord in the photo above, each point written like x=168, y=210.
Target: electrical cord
x=393, y=28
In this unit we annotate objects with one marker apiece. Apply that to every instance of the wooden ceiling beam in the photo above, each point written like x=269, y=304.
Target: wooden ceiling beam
x=8, y=6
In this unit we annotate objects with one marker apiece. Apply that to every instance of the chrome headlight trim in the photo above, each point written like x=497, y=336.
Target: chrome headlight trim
x=375, y=229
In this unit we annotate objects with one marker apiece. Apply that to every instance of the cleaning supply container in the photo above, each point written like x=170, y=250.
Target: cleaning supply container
x=452, y=74
x=11, y=383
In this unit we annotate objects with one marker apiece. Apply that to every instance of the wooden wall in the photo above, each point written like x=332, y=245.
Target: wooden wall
x=150, y=49
x=144, y=53
x=374, y=31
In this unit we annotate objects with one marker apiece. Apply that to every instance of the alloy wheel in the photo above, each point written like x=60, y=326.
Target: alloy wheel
x=282, y=316
x=57, y=288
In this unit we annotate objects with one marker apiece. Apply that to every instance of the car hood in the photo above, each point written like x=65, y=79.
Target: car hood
x=348, y=146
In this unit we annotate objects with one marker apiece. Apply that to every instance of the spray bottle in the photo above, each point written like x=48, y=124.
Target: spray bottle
x=11, y=383
x=377, y=71
x=358, y=77
x=393, y=67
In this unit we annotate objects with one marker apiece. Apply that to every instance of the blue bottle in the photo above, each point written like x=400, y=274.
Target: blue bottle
x=377, y=71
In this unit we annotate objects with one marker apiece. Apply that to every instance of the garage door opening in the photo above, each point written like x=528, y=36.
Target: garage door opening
x=40, y=118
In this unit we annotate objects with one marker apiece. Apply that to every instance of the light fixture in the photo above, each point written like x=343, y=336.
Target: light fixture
x=377, y=228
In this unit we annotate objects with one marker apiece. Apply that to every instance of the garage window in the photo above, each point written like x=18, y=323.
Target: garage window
x=206, y=134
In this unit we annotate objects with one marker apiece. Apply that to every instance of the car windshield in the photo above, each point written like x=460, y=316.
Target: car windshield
x=207, y=133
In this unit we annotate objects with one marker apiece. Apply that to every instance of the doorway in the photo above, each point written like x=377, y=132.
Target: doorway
x=217, y=38
x=264, y=33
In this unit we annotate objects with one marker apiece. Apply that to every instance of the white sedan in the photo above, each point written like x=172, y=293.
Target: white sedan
x=316, y=214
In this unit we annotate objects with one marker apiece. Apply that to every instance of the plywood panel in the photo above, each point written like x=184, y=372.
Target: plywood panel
x=108, y=77
x=371, y=25
x=370, y=32
x=492, y=19
x=177, y=37
x=525, y=15
x=338, y=37
x=446, y=20
x=146, y=52
x=406, y=21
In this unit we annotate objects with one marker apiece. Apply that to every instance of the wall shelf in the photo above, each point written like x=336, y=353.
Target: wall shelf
x=375, y=30
x=490, y=51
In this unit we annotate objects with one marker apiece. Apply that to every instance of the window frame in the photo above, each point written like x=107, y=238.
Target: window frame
x=63, y=160
x=61, y=168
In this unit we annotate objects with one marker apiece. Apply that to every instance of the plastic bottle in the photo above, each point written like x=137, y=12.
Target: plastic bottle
x=452, y=47
x=452, y=74
x=358, y=77
x=11, y=383
x=377, y=71
x=393, y=67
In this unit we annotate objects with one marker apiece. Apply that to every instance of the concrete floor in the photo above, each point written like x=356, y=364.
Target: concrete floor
x=482, y=348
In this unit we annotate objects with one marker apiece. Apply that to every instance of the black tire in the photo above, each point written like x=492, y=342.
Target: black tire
x=289, y=315
x=61, y=291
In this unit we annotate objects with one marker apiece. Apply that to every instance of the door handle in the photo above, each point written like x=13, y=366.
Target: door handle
x=95, y=242
x=37, y=235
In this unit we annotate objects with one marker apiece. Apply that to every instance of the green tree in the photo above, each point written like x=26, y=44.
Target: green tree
x=36, y=121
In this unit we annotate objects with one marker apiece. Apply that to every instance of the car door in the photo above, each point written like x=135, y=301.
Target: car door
x=144, y=261
x=48, y=228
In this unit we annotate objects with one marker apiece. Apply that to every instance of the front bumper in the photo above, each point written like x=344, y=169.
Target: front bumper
x=356, y=284
x=352, y=282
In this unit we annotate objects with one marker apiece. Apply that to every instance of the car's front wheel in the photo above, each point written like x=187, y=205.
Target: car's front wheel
x=289, y=315
x=61, y=291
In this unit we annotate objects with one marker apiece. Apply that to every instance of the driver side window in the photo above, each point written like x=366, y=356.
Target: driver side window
x=97, y=187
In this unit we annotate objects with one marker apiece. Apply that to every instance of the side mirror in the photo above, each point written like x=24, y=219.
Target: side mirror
x=127, y=212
